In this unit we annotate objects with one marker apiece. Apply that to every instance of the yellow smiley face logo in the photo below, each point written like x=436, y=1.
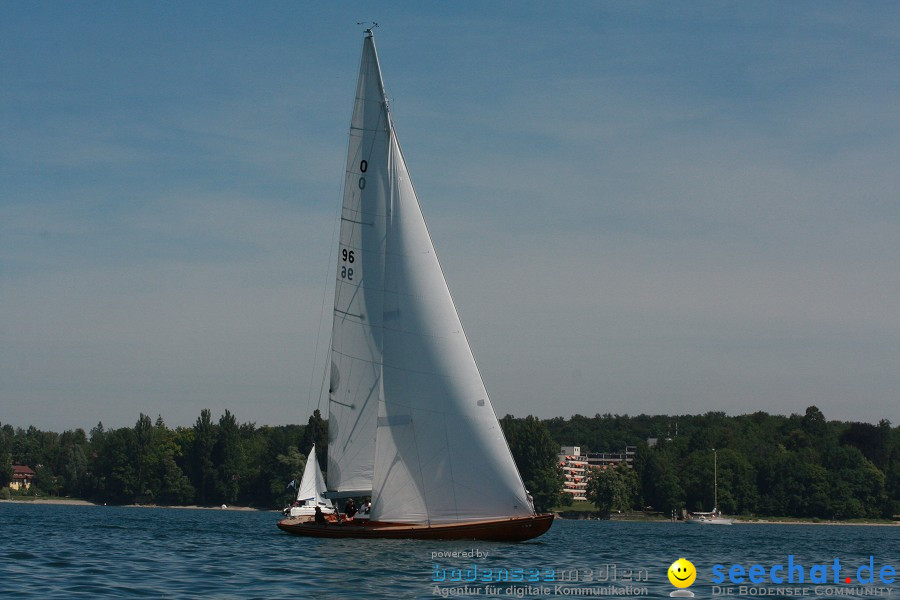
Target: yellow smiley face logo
x=682, y=573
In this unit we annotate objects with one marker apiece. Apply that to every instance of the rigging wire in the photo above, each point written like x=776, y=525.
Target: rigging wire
x=312, y=375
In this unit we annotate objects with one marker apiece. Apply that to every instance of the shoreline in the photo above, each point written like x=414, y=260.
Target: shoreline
x=846, y=524
x=746, y=521
x=77, y=502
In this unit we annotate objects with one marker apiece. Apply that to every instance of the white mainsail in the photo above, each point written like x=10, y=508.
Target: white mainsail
x=409, y=415
x=356, y=355
x=312, y=485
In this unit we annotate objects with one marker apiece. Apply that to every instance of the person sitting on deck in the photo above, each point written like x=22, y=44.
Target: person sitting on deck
x=320, y=517
x=350, y=508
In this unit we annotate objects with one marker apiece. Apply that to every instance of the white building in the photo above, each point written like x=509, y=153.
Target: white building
x=577, y=467
x=574, y=465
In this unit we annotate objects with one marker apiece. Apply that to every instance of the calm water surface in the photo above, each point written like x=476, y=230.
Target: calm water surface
x=109, y=552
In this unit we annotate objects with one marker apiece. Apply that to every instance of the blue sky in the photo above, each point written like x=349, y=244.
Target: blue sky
x=639, y=207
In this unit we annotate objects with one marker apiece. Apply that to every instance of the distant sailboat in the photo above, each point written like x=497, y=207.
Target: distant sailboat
x=410, y=422
x=311, y=493
x=715, y=517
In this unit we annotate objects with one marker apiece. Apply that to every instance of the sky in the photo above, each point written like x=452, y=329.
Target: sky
x=640, y=207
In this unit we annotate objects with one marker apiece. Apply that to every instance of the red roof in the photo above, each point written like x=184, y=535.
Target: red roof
x=22, y=472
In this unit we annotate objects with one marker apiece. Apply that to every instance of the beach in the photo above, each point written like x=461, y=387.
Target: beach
x=76, y=502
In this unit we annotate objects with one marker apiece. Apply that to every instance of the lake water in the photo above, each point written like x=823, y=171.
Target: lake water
x=87, y=551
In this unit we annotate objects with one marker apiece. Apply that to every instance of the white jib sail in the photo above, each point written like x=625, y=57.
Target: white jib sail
x=312, y=485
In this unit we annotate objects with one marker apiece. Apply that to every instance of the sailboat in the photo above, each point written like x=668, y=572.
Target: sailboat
x=311, y=493
x=715, y=517
x=410, y=423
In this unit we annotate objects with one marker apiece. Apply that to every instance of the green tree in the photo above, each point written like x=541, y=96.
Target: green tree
x=660, y=483
x=819, y=434
x=535, y=454
x=34, y=447
x=175, y=488
x=202, y=467
x=7, y=434
x=254, y=480
x=794, y=484
x=613, y=489
x=316, y=432
x=273, y=474
x=168, y=483
x=291, y=465
x=45, y=481
x=74, y=468
x=736, y=482
x=892, y=486
x=874, y=441
x=856, y=485
x=228, y=456
x=143, y=447
x=114, y=466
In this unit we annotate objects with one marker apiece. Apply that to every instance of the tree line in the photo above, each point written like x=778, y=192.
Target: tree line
x=209, y=464
x=768, y=465
x=799, y=465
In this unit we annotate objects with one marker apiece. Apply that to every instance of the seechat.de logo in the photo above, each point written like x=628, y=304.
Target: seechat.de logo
x=832, y=572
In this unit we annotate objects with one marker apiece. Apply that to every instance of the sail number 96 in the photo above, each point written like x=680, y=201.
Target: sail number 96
x=348, y=257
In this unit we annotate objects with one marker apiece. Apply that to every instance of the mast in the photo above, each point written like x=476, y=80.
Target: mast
x=715, y=482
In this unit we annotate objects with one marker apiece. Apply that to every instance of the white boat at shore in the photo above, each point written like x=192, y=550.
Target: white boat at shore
x=709, y=518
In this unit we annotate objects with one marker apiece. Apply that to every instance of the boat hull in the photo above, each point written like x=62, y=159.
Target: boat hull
x=515, y=529
x=715, y=521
